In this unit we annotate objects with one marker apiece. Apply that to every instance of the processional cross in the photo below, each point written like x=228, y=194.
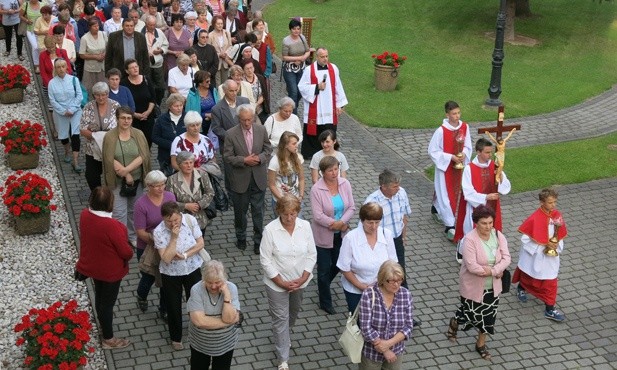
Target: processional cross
x=500, y=144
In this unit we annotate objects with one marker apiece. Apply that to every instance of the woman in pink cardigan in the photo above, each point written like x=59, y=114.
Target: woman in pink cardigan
x=485, y=257
x=333, y=206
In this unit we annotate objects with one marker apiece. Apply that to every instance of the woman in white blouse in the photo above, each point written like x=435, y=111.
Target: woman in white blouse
x=363, y=251
x=178, y=240
x=287, y=256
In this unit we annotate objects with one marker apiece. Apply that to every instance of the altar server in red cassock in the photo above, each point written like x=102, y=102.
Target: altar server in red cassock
x=450, y=139
x=479, y=188
x=537, y=271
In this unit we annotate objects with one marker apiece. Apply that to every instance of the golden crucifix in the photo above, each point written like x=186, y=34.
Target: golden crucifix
x=500, y=143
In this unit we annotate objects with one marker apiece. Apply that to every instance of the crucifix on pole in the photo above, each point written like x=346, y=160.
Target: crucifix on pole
x=500, y=143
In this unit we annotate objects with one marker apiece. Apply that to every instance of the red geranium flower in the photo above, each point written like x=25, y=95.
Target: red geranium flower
x=27, y=195
x=389, y=59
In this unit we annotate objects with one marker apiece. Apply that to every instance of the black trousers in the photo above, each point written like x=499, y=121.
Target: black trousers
x=311, y=144
x=201, y=361
x=105, y=295
x=8, y=32
x=172, y=286
x=94, y=170
x=400, y=255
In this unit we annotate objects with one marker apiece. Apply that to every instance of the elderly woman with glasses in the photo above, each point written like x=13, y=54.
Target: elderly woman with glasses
x=363, y=251
x=214, y=310
x=180, y=78
x=192, y=188
x=147, y=216
x=386, y=319
x=97, y=118
x=126, y=160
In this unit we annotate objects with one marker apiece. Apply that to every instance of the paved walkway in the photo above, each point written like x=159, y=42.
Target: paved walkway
x=524, y=339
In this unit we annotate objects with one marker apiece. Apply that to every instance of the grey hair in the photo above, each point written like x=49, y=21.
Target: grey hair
x=150, y=18
x=184, y=156
x=245, y=108
x=192, y=118
x=174, y=98
x=155, y=177
x=183, y=59
x=226, y=84
x=100, y=88
x=285, y=101
x=189, y=14
x=387, y=177
x=214, y=269
x=235, y=69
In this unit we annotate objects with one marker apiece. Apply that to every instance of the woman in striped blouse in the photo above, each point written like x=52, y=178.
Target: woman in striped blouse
x=214, y=309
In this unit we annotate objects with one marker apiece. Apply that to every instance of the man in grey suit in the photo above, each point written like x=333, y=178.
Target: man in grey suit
x=247, y=154
x=224, y=114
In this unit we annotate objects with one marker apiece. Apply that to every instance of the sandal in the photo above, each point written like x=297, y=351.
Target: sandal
x=483, y=351
x=21, y=58
x=6, y=54
x=115, y=343
x=452, y=330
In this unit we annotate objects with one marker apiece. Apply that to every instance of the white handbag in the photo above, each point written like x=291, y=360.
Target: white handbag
x=352, y=340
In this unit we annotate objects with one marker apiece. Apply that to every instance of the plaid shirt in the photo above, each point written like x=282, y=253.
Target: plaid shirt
x=379, y=323
x=394, y=210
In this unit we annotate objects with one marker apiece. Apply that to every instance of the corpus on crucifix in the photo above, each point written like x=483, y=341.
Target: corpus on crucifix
x=500, y=143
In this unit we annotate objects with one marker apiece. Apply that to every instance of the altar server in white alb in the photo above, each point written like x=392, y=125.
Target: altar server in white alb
x=449, y=140
x=324, y=99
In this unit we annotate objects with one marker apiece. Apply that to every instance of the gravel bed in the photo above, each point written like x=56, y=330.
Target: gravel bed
x=36, y=270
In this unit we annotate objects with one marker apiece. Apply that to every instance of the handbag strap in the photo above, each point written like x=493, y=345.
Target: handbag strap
x=356, y=312
x=271, y=127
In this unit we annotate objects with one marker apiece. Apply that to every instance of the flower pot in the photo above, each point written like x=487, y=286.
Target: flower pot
x=33, y=225
x=12, y=96
x=23, y=161
x=386, y=78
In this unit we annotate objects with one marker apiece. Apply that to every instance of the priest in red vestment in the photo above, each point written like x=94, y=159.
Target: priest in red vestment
x=536, y=272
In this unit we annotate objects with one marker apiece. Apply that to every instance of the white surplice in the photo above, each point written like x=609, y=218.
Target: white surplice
x=325, y=110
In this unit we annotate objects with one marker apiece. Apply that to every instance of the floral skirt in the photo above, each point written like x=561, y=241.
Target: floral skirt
x=478, y=315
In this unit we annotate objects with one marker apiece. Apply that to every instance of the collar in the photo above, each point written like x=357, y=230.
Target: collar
x=128, y=37
x=230, y=103
x=321, y=68
x=100, y=213
x=481, y=165
x=447, y=124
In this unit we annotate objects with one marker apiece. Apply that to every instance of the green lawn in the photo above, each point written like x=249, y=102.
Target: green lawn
x=450, y=57
x=556, y=164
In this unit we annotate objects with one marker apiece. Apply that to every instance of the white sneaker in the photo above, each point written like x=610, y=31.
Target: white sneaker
x=283, y=366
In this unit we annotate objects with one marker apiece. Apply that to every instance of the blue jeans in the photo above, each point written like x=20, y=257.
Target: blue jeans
x=352, y=300
x=291, y=81
x=145, y=284
x=327, y=270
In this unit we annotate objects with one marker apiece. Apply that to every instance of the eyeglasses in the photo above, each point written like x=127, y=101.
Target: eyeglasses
x=393, y=281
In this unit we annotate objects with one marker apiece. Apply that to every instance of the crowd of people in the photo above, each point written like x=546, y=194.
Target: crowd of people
x=107, y=68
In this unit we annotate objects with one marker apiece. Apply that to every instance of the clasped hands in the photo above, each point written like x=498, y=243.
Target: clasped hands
x=252, y=160
x=383, y=346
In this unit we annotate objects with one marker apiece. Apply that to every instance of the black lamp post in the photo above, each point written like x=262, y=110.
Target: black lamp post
x=494, y=89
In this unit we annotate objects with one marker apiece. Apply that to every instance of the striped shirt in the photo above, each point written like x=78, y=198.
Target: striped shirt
x=214, y=342
x=394, y=210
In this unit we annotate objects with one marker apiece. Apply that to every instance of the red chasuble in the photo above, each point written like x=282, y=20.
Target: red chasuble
x=452, y=175
x=483, y=180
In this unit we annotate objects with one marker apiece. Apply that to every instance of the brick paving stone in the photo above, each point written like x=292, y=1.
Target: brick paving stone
x=524, y=339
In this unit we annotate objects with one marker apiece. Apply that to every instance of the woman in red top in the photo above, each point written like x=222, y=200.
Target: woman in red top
x=47, y=57
x=104, y=256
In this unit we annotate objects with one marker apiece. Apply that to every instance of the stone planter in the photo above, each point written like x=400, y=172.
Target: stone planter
x=33, y=225
x=12, y=96
x=23, y=161
x=386, y=78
